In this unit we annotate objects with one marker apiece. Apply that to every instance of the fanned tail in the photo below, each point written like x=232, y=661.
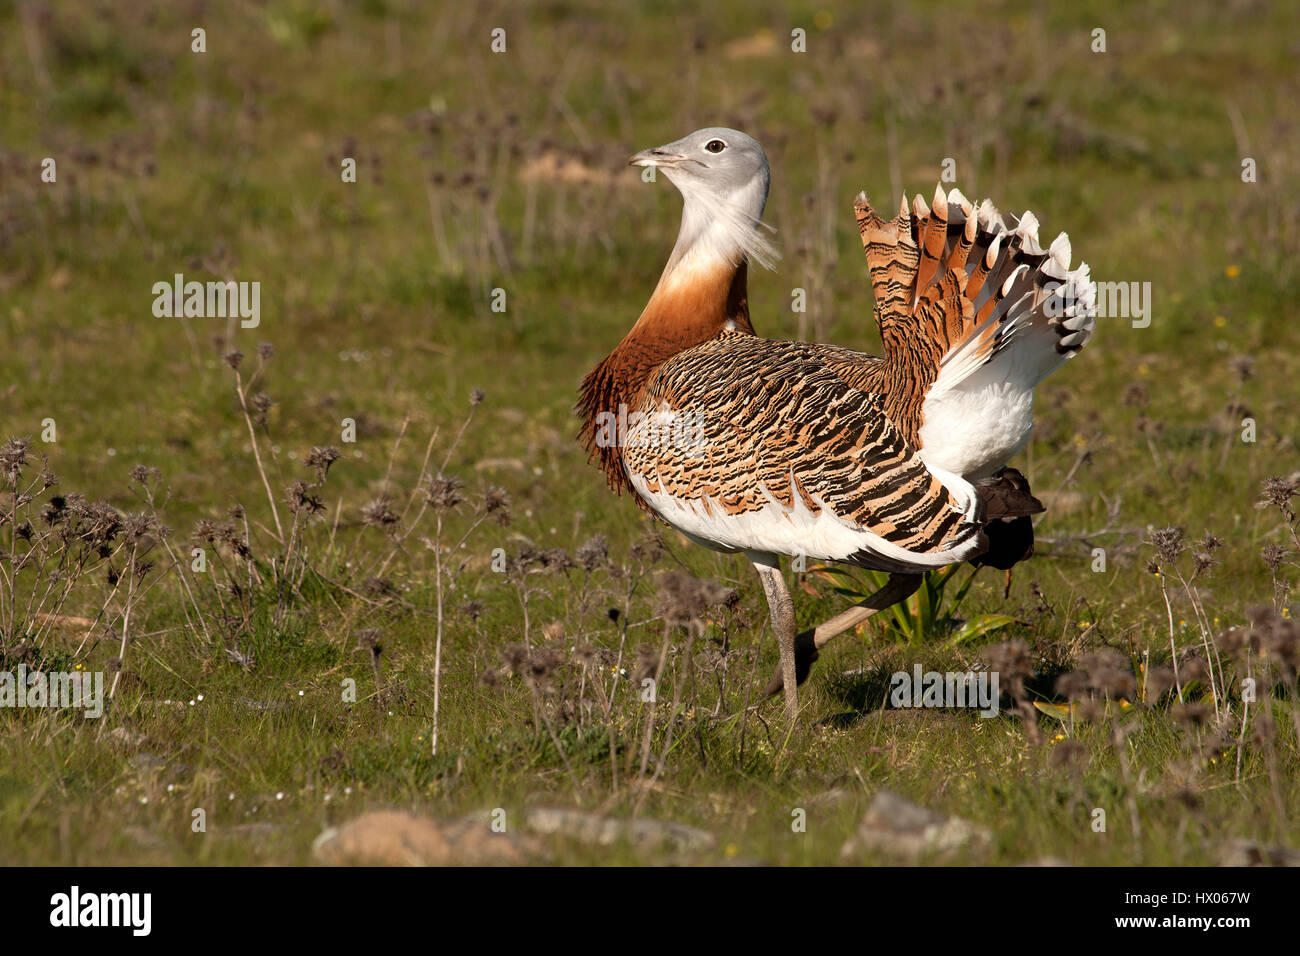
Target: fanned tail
x=955, y=286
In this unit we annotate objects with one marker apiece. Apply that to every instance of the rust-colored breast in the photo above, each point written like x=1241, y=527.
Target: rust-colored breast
x=686, y=310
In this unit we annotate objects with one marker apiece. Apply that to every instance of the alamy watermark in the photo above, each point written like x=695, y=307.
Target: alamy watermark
x=947, y=689
x=53, y=689
x=133, y=911
x=1113, y=300
x=210, y=300
x=653, y=429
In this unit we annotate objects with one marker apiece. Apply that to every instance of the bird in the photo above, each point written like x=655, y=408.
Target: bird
x=896, y=462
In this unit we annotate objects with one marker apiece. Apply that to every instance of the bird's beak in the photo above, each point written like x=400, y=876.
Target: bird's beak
x=659, y=156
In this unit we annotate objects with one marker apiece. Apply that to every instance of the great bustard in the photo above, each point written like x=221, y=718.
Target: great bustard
x=795, y=448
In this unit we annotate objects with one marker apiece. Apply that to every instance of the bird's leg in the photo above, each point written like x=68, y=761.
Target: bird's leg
x=781, y=608
x=809, y=643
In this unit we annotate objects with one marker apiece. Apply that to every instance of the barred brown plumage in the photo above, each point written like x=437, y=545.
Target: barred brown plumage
x=777, y=421
x=894, y=463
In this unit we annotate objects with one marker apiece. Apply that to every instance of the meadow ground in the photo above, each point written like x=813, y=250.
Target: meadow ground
x=257, y=564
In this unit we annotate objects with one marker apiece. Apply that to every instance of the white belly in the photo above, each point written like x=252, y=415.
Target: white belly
x=795, y=530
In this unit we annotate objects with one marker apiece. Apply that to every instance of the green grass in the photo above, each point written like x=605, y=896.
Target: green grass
x=376, y=296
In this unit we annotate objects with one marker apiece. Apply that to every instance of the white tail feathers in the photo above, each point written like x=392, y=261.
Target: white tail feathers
x=1029, y=302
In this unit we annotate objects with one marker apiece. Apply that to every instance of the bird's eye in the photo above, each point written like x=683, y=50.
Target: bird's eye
x=715, y=146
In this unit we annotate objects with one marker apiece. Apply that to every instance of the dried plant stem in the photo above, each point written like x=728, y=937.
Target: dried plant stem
x=437, y=646
x=654, y=700
x=1211, y=654
x=1173, y=649
x=257, y=455
x=126, y=621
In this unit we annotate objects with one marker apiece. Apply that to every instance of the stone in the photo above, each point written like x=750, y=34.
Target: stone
x=898, y=827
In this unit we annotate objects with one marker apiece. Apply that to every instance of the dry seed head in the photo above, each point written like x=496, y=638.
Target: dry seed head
x=647, y=663
x=514, y=658
x=1168, y=543
x=300, y=498
x=13, y=457
x=683, y=598
x=1010, y=659
x=1273, y=556
x=443, y=492
x=379, y=513
x=593, y=553
x=496, y=504
x=143, y=474
x=555, y=560
x=1278, y=492
x=320, y=458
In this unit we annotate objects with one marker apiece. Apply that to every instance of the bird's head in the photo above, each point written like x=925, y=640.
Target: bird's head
x=723, y=177
x=721, y=161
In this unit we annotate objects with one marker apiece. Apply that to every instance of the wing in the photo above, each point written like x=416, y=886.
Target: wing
x=750, y=444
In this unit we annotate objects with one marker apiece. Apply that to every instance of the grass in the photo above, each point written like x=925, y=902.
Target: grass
x=481, y=171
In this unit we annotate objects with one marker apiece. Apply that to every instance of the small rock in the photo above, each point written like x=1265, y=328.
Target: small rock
x=901, y=828
x=398, y=838
x=605, y=831
x=1250, y=853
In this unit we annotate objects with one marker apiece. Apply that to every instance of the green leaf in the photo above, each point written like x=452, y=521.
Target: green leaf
x=978, y=627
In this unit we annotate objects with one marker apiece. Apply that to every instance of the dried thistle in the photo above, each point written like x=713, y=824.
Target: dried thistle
x=496, y=505
x=143, y=474
x=1278, y=493
x=683, y=599
x=1168, y=543
x=1106, y=672
x=320, y=458
x=1273, y=555
x=13, y=458
x=379, y=513
x=555, y=560
x=443, y=492
x=301, y=498
x=261, y=404
x=647, y=663
x=593, y=553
